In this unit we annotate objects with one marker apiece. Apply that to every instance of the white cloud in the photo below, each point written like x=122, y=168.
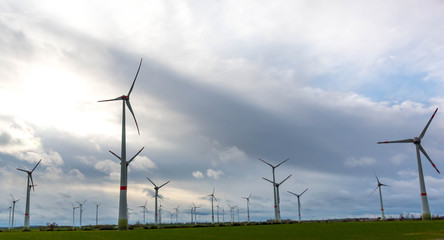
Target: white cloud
x=399, y=158
x=142, y=163
x=361, y=162
x=108, y=167
x=214, y=173
x=197, y=174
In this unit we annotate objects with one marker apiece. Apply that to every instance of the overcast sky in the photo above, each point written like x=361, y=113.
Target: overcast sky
x=222, y=84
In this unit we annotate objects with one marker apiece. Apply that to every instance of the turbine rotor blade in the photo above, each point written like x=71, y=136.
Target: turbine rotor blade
x=135, y=155
x=377, y=179
x=397, y=141
x=151, y=182
x=23, y=170
x=303, y=192
x=373, y=191
x=32, y=182
x=282, y=162
x=131, y=110
x=268, y=180
x=131, y=89
x=164, y=184
x=114, y=154
x=266, y=162
x=285, y=179
x=428, y=123
x=109, y=100
x=36, y=165
x=428, y=158
x=292, y=193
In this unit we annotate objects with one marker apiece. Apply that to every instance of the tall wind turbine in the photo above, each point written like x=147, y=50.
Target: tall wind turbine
x=73, y=214
x=81, y=211
x=195, y=213
x=177, y=213
x=30, y=184
x=248, y=206
x=97, y=213
x=212, y=208
x=218, y=208
x=426, y=215
x=156, y=188
x=380, y=195
x=299, y=202
x=144, y=211
x=13, y=210
x=276, y=186
x=123, y=204
x=277, y=217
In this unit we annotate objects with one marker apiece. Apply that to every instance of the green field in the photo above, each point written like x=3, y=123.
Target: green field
x=324, y=231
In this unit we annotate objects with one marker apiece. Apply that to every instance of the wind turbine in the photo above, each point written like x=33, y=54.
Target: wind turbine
x=10, y=209
x=380, y=194
x=212, y=208
x=123, y=204
x=276, y=186
x=231, y=212
x=299, y=202
x=73, y=212
x=426, y=215
x=97, y=213
x=156, y=188
x=277, y=216
x=177, y=213
x=195, y=213
x=218, y=208
x=30, y=184
x=13, y=210
x=144, y=211
x=81, y=211
x=248, y=206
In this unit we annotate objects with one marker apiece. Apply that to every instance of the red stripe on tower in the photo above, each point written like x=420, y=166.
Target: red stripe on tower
x=423, y=194
x=122, y=187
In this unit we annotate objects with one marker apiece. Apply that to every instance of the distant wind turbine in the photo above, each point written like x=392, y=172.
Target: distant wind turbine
x=277, y=215
x=426, y=215
x=144, y=211
x=248, y=206
x=13, y=210
x=380, y=194
x=276, y=186
x=97, y=213
x=123, y=204
x=10, y=210
x=73, y=214
x=177, y=213
x=81, y=211
x=30, y=184
x=156, y=188
x=299, y=202
x=218, y=208
x=212, y=208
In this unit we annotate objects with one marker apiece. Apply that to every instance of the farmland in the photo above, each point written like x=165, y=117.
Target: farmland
x=313, y=230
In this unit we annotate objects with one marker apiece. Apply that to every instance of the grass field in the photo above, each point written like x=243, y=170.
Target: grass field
x=324, y=231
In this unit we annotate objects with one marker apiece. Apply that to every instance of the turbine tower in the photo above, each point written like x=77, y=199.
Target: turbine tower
x=277, y=216
x=156, y=188
x=97, y=213
x=81, y=211
x=426, y=215
x=212, y=208
x=299, y=202
x=30, y=184
x=276, y=186
x=248, y=206
x=218, y=208
x=73, y=214
x=177, y=213
x=13, y=210
x=380, y=195
x=144, y=211
x=123, y=204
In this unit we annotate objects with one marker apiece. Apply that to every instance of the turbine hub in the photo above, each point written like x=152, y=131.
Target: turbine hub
x=416, y=140
x=124, y=97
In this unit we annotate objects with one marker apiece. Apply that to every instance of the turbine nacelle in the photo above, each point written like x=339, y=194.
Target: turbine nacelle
x=416, y=140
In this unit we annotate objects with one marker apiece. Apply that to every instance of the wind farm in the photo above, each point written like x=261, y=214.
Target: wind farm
x=212, y=96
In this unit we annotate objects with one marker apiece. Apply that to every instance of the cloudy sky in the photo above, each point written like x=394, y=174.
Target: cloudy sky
x=222, y=84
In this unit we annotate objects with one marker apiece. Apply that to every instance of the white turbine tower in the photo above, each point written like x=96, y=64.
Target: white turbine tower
x=30, y=184
x=277, y=216
x=426, y=215
x=299, y=202
x=144, y=211
x=177, y=213
x=97, y=213
x=380, y=195
x=212, y=208
x=13, y=210
x=123, y=204
x=156, y=195
x=73, y=214
x=81, y=211
x=248, y=206
x=218, y=208
x=10, y=209
x=195, y=213
x=276, y=186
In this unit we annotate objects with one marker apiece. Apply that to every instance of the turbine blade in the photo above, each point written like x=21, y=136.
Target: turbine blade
x=151, y=181
x=268, y=180
x=109, y=100
x=135, y=155
x=428, y=123
x=12, y=197
x=36, y=165
x=303, y=192
x=249, y=196
x=32, y=182
x=114, y=154
x=266, y=162
x=397, y=141
x=373, y=191
x=285, y=179
x=282, y=162
x=131, y=89
x=23, y=170
x=131, y=110
x=292, y=193
x=428, y=158
x=215, y=198
x=164, y=184
x=213, y=191
x=377, y=179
